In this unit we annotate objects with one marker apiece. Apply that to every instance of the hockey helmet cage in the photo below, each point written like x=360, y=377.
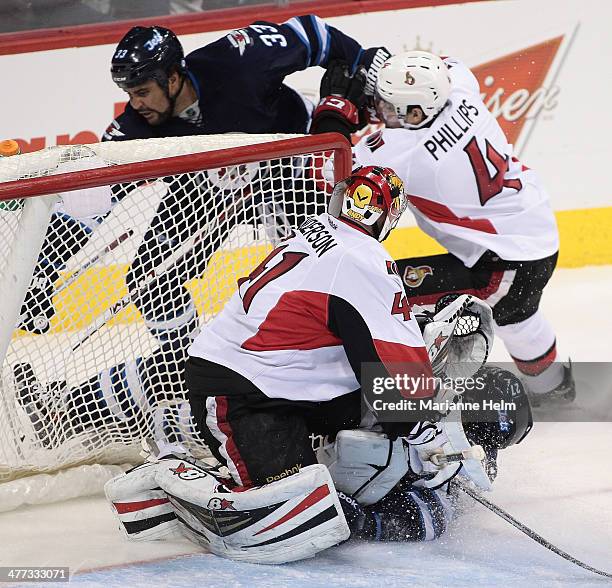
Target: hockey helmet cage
x=413, y=78
x=497, y=428
x=369, y=194
x=147, y=53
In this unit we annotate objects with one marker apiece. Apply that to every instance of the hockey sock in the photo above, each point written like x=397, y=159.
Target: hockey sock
x=115, y=394
x=128, y=391
x=168, y=317
x=532, y=345
x=183, y=323
x=173, y=423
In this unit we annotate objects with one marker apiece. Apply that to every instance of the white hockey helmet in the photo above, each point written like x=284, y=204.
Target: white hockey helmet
x=413, y=78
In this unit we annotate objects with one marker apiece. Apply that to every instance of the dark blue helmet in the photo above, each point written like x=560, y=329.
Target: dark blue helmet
x=507, y=419
x=147, y=53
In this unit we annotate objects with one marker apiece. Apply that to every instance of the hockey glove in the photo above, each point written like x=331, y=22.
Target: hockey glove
x=438, y=452
x=430, y=439
x=458, y=336
x=372, y=60
x=338, y=81
x=342, y=95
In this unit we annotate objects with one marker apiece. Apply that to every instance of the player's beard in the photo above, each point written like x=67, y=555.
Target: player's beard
x=162, y=115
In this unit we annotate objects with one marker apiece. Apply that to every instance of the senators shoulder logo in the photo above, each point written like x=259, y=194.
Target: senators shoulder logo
x=413, y=276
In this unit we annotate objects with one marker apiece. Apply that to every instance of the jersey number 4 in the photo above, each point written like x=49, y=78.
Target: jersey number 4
x=263, y=274
x=401, y=305
x=489, y=186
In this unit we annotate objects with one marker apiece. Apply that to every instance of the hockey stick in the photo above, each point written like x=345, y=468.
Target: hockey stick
x=147, y=280
x=97, y=257
x=236, y=207
x=442, y=459
x=464, y=487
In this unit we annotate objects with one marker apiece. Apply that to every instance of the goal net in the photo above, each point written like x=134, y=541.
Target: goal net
x=112, y=256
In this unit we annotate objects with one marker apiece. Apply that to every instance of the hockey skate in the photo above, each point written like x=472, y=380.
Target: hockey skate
x=564, y=393
x=40, y=403
x=406, y=513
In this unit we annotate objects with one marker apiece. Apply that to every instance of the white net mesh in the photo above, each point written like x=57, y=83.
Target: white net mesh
x=115, y=297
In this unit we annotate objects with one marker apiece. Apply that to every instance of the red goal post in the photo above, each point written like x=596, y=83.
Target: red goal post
x=217, y=158
x=106, y=305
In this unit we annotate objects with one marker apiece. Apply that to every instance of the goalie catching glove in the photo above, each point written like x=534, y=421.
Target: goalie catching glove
x=458, y=336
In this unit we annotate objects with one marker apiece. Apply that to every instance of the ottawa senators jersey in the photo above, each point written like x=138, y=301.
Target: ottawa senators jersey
x=239, y=80
x=465, y=188
x=322, y=303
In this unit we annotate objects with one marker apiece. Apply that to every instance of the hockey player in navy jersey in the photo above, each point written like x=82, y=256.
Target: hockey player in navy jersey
x=283, y=361
x=233, y=84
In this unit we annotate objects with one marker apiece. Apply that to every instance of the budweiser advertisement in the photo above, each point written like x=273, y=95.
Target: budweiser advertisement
x=518, y=87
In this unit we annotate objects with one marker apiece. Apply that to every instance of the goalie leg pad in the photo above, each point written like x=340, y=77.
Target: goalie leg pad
x=288, y=520
x=141, y=506
x=364, y=464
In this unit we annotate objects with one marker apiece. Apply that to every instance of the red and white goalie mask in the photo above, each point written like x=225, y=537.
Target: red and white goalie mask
x=372, y=197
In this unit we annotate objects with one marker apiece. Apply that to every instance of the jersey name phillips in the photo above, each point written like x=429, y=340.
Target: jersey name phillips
x=449, y=133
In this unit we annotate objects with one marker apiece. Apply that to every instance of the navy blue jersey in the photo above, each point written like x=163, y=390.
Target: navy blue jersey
x=239, y=80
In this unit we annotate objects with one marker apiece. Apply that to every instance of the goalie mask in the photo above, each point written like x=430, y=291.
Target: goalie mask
x=372, y=197
x=414, y=78
x=509, y=422
x=147, y=53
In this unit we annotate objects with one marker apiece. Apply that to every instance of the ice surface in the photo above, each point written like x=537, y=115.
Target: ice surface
x=559, y=482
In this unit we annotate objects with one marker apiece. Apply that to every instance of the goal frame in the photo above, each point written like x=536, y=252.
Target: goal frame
x=131, y=172
x=39, y=195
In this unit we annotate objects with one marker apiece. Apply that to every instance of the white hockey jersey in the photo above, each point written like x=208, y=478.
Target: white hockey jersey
x=320, y=304
x=465, y=188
